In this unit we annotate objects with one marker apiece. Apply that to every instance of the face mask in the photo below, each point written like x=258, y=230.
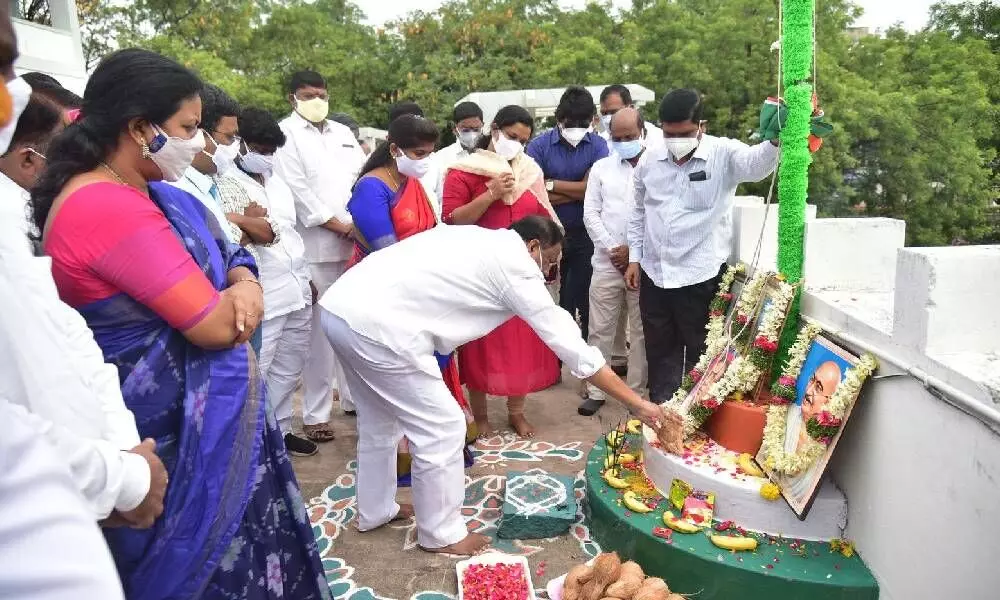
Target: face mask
x=681, y=147
x=224, y=157
x=575, y=135
x=468, y=139
x=259, y=164
x=173, y=155
x=606, y=122
x=412, y=167
x=20, y=94
x=628, y=150
x=314, y=110
x=507, y=148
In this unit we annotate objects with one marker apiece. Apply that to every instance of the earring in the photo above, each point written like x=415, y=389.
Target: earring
x=145, y=150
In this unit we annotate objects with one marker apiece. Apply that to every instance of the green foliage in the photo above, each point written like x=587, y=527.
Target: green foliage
x=916, y=115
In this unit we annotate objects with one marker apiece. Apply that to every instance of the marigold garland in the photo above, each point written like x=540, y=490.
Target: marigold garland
x=821, y=429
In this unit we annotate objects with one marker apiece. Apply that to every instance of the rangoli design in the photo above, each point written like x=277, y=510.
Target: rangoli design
x=335, y=510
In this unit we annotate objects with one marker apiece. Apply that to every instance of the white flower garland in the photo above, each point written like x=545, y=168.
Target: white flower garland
x=773, y=446
x=742, y=374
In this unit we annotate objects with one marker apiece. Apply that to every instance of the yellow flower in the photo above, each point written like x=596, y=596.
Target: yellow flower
x=770, y=491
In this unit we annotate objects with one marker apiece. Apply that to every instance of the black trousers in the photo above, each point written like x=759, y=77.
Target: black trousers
x=673, y=324
x=575, y=272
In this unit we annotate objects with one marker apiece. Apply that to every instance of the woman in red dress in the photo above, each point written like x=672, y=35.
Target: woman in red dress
x=494, y=187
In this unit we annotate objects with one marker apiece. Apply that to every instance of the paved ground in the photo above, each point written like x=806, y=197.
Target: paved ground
x=387, y=563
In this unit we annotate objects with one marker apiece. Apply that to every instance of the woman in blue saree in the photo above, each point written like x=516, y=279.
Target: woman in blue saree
x=172, y=305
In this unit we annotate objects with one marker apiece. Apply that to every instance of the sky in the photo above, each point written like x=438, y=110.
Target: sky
x=878, y=13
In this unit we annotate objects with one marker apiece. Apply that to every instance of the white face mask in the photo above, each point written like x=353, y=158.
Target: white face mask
x=173, y=155
x=413, y=167
x=606, y=122
x=259, y=164
x=575, y=135
x=681, y=147
x=224, y=156
x=314, y=110
x=468, y=139
x=20, y=94
x=505, y=147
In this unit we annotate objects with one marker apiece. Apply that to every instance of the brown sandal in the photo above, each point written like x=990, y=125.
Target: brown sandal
x=319, y=433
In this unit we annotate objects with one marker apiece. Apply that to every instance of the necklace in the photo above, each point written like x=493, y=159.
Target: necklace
x=395, y=183
x=115, y=174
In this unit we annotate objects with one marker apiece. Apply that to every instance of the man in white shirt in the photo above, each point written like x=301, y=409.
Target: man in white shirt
x=606, y=208
x=221, y=131
x=680, y=232
x=388, y=316
x=468, y=128
x=320, y=162
x=41, y=506
x=51, y=364
x=284, y=271
x=613, y=99
x=24, y=161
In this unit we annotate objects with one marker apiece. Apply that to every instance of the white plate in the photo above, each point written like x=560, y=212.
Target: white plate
x=494, y=558
x=554, y=588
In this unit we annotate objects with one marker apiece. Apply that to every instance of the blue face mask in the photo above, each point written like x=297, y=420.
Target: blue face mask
x=628, y=150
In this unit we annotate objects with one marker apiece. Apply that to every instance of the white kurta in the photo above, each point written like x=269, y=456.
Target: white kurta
x=50, y=545
x=51, y=365
x=387, y=316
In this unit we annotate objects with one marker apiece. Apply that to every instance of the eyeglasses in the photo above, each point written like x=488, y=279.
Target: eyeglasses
x=232, y=137
x=39, y=154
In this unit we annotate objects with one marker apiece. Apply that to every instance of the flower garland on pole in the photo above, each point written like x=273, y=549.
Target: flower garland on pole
x=793, y=176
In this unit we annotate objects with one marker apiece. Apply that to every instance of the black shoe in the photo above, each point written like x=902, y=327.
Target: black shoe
x=589, y=407
x=297, y=446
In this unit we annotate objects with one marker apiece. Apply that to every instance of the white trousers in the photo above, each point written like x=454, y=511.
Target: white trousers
x=609, y=298
x=282, y=358
x=399, y=395
x=322, y=371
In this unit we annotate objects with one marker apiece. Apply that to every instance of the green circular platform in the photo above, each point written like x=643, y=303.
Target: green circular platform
x=782, y=569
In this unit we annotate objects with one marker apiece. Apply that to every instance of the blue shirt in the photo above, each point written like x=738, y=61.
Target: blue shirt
x=561, y=161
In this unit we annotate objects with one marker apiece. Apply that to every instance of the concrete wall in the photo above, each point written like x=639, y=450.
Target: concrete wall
x=920, y=458
x=53, y=50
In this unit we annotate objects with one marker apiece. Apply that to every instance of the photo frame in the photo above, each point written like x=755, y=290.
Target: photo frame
x=820, y=387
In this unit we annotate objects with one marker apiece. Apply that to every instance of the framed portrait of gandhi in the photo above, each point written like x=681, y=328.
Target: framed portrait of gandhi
x=800, y=437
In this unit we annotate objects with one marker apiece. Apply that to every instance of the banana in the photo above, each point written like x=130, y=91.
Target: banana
x=615, y=438
x=633, y=503
x=612, y=479
x=623, y=459
x=678, y=525
x=634, y=426
x=736, y=544
x=746, y=462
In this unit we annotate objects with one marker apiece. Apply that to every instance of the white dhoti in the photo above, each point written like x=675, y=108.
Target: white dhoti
x=283, y=355
x=399, y=395
x=322, y=372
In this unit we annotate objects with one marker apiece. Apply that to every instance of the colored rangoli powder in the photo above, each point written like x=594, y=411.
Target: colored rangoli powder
x=495, y=582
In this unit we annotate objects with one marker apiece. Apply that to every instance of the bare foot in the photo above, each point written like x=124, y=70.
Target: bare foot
x=483, y=429
x=405, y=512
x=521, y=426
x=473, y=544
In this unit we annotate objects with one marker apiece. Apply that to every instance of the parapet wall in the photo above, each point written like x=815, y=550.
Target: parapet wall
x=920, y=458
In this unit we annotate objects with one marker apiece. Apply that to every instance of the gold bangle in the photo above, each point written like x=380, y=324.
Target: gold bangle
x=251, y=280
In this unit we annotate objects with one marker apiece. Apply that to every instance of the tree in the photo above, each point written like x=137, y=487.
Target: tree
x=978, y=20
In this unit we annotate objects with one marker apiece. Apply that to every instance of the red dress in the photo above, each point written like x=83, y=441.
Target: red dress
x=511, y=360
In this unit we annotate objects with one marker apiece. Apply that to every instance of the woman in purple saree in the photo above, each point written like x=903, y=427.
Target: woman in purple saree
x=171, y=304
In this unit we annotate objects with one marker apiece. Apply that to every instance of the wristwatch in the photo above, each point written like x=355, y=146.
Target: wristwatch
x=550, y=185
